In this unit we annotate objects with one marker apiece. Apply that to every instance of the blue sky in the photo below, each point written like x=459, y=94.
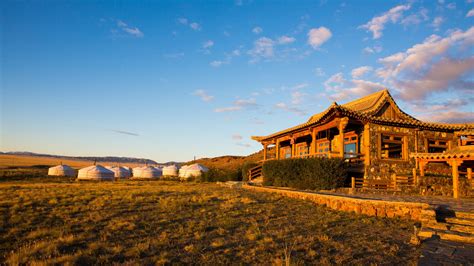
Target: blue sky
x=171, y=80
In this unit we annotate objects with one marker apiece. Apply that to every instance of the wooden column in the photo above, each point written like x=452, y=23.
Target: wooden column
x=293, y=148
x=366, y=145
x=421, y=164
x=415, y=177
x=469, y=173
x=277, y=149
x=341, y=127
x=265, y=146
x=312, y=149
x=454, y=165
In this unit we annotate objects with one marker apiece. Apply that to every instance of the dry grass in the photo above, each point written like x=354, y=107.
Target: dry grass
x=44, y=221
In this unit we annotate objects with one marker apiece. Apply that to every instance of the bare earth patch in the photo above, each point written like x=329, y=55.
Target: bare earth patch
x=169, y=222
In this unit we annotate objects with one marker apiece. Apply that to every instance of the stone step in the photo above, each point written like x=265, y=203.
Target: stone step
x=460, y=221
x=446, y=235
x=462, y=228
x=469, y=215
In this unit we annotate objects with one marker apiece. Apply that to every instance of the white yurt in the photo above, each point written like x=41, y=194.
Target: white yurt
x=120, y=172
x=146, y=172
x=182, y=170
x=62, y=170
x=192, y=170
x=170, y=170
x=95, y=172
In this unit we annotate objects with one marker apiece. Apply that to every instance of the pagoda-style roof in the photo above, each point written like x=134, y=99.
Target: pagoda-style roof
x=371, y=108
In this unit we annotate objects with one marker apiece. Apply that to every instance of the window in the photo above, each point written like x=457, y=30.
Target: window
x=285, y=152
x=435, y=146
x=322, y=147
x=350, y=146
x=467, y=140
x=391, y=146
x=302, y=149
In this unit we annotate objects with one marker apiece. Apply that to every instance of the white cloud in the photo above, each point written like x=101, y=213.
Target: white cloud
x=437, y=21
x=415, y=18
x=377, y=24
x=339, y=88
x=360, y=71
x=195, y=26
x=227, y=60
x=263, y=49
x=132, y=31
x=285, y=107
x=203, y=95
x=239, y=104
x=451, y=6
x=319, y=72
x=183, y=21
x=237, y=137
x=257, y=30
x=372, y=50
x=470, y=13
x=318, y=36
x=217, y=63
x=207, y=44
x=297, y=97
x=286, y=40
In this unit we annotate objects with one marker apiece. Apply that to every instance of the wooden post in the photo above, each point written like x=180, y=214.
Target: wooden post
x=293, y=148
x=353, y=182
x=277, y=150
x=422, y=168
x=454, y=165
x=366, y=145
x=265, y=152
x=342, y=126
x=469, y=173
x=312, y=149
x=415, y=177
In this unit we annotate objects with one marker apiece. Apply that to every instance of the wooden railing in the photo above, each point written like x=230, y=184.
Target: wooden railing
x=399, y=182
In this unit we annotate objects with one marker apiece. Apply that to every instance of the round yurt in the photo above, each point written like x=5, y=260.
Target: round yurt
x=170, y=170
x=182, y=170
x=120, y=172
x=192, y=170
x=95, y=172
x=146, y=172
x=62, y=170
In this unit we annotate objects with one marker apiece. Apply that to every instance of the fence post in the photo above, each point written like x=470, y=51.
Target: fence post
x=469, y=173
x=353, y=184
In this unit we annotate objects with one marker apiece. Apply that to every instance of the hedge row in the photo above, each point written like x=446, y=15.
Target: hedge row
x=314, y=173
x=215, y=175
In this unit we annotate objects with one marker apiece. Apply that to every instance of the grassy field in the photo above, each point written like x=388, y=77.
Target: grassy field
x=57, y=220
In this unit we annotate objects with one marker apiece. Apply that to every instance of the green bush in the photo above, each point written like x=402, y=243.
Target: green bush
x=245, y=170
x=314, y=173
x=215, y=175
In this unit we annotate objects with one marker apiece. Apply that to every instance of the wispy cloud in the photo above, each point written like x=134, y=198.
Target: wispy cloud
x=131, y=31
x=360, y=71
x=237, y=137
x=257, y=30
x=470, y=13
x=293, y=109
x=319, y=72
x=228, y=58
x=286, y=39
x=239, y=104
x=377, y=24
x=372, y=50
x=203, y=95
x=125, y=132
x=193, y=25
x=174, y=55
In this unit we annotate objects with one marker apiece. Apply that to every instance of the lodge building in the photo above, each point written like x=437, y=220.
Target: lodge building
x=376, y=137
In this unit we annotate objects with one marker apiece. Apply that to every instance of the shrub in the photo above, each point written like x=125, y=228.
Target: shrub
x=245, y=170
x=215, y=175
x=313, y=173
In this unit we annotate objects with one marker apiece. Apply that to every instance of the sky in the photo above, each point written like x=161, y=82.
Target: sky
x=170, y=80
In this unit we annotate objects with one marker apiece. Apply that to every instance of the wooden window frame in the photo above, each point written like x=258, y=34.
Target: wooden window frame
x=404, y=147
x=298, y=146
x=437, y=145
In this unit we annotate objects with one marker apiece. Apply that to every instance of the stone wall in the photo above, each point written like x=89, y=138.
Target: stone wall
x=388, y=169
x=443, y=186
x=421, y=212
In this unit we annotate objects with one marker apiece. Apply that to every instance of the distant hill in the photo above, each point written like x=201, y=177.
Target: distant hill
x=27, y=159
x=229, y=162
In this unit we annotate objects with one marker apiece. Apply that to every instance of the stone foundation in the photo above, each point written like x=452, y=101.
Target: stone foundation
x=420, y=212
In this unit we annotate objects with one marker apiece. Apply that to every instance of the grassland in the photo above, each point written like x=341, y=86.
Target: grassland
x=57, y=220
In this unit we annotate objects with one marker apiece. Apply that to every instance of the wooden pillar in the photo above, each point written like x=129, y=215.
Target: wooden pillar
x=265, y=151
x=293, y=148
x=277, y=150
x=415, y=177
x=422, y=168
x=366, y=145
x=342, y=125
x=469, y=173
x=312, y=149
x=454, y=165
